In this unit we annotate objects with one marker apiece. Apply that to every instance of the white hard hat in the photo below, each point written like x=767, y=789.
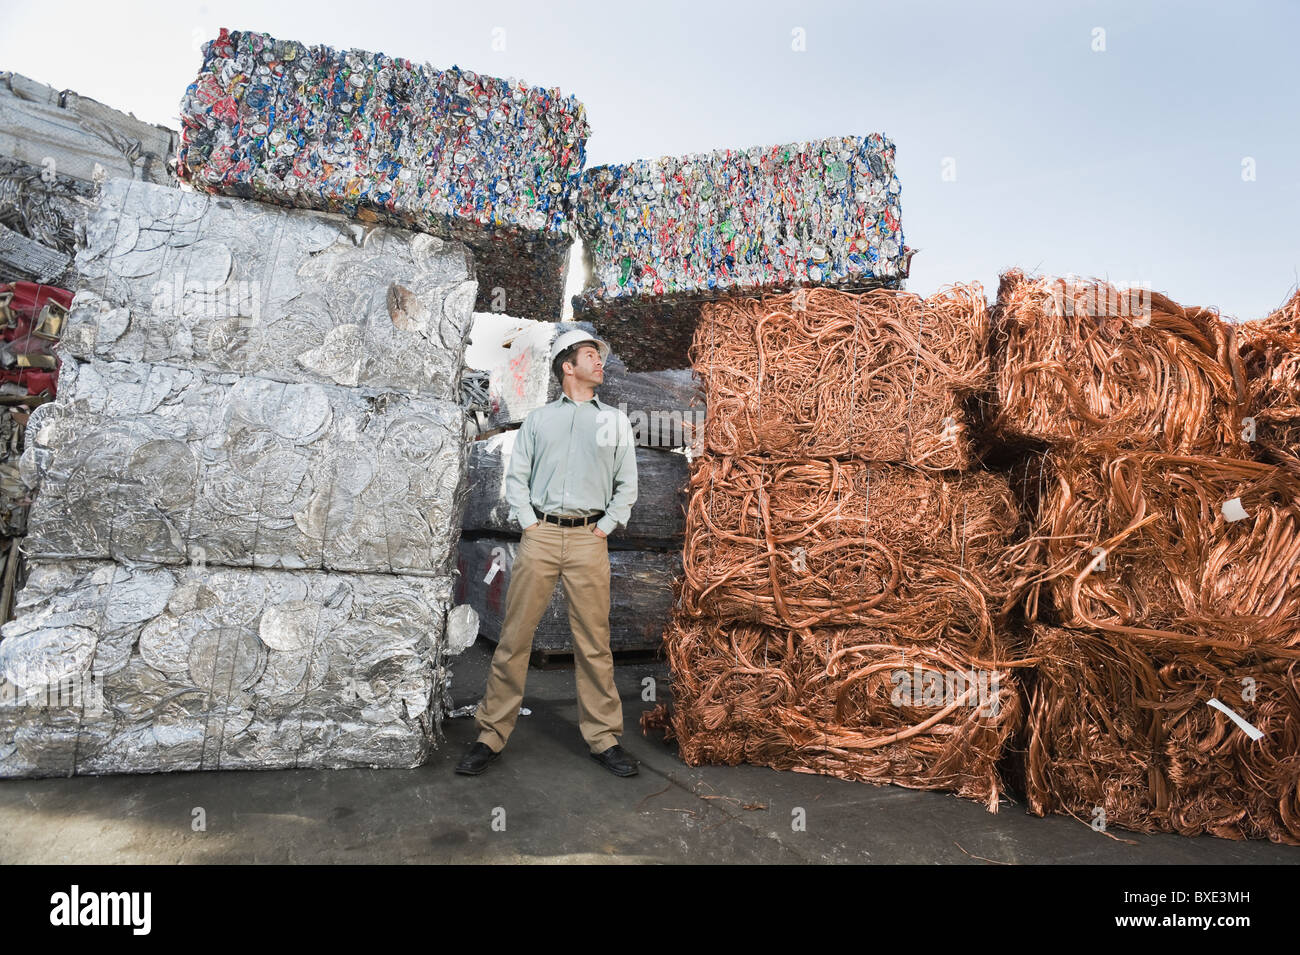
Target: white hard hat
x=577, y=337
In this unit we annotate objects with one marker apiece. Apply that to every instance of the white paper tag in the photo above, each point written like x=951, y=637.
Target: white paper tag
x=1233, y=511
x=493, y=569
x=1246, y=728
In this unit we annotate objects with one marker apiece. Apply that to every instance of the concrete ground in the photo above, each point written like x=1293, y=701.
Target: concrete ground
x=545, y=800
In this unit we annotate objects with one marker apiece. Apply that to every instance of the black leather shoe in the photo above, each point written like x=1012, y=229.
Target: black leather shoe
x=476, y=759
x=616, y=761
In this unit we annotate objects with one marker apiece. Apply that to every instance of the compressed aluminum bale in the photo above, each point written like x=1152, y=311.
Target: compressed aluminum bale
x=658, y=518
x=663, y=235
x=641, y=595
x=236, y=286
x=159, y=464
x=114, y=669
x=54, y=147
x=462, y=155
x=664, y=408
x=76, y=137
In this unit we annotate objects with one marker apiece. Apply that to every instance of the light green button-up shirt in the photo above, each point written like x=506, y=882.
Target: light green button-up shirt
x=574, y=459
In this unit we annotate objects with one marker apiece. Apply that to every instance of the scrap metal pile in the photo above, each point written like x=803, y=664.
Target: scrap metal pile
x=841, y=609
x=244, y=528
x=661, y=236
x=55, y=149
x=486, y=161
x=820, y=373
x=1163, y=567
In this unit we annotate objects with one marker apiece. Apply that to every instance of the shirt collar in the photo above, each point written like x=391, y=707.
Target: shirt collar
x=595, y=400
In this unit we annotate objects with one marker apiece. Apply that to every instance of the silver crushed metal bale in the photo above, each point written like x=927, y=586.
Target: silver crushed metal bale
x=115, y=669
x=230, y=285
x=140, y=462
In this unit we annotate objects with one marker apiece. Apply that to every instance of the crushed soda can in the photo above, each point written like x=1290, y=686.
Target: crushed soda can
x=663, y=235
x=461, y=155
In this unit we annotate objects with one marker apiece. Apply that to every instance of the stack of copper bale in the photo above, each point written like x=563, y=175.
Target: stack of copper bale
x=846, y=574
x=1166, y=601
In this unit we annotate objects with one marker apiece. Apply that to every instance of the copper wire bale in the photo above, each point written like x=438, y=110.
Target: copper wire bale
x=819, y=542
x=880, y=375
x=1083, y=360
x=1123, y=727
x=859, y=703
x=1271, y=351
x=1140, y=544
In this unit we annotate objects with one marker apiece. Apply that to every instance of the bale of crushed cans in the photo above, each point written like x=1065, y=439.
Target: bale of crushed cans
x=154, y=463
x=867, y=703
x=1084, y=360
x=663, y=235
x=882, y=375
x=114, y=668
x=462, y=155
x=229, y=285
x=1144, y=734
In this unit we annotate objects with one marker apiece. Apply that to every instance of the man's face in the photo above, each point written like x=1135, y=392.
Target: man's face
x=588, y=369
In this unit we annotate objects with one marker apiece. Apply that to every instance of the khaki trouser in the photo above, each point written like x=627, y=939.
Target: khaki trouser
x=580, y=559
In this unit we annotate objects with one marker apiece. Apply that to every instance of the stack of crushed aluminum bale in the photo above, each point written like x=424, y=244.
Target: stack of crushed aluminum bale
x=662, y=236
x=249, y=498
x=666, y=417
x=54, y=147
x=462, y=155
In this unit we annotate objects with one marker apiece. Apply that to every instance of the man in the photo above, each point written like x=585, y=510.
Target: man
x=570, y=484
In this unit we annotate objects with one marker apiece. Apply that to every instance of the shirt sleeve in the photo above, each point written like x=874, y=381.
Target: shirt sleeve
x=520, y=470
x=619, y=510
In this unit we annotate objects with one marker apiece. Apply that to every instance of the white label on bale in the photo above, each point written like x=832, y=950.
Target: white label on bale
x=1233, y=511
x=498, y=564
x=1246, y=728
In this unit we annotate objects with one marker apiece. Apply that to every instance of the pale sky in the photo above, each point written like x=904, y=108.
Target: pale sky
x=1019, y=144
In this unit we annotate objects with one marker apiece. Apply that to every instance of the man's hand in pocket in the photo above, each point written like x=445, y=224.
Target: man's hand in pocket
x=597, y=531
